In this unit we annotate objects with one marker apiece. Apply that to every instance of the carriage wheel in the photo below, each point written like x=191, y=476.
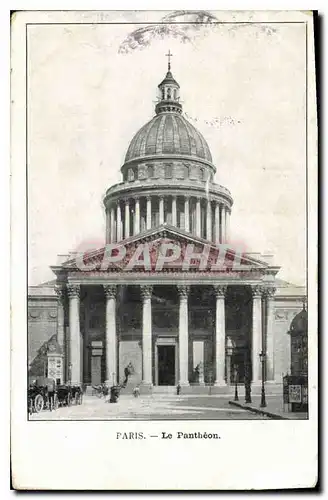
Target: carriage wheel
x=38, y=403
x=56, y=402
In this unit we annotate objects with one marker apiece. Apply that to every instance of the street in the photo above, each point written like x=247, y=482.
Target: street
x=152, y=407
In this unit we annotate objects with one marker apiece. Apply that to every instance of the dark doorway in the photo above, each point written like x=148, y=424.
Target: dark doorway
x=166, y=364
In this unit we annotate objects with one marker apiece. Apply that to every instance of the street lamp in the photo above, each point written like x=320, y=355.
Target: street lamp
x=248, y=390
x=229, y=351
x=262, y=359
x=236, y=386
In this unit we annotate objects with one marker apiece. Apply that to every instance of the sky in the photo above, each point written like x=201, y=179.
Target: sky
x=92, y=86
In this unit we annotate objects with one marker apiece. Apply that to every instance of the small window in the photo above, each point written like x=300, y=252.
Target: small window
x=175, y=93
x=202, y=174
x=186, y=171
x=163, y=94
x=150, y=171
x=168, y=171
x=169, y=93
x=131, y=174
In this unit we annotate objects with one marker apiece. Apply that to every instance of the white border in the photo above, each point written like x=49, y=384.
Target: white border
x=220, y=471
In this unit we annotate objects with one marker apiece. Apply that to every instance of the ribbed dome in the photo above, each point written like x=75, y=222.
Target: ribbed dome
x=168, y=133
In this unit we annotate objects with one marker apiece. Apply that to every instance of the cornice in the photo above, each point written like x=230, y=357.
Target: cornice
x=124, y=190
x=170, y=157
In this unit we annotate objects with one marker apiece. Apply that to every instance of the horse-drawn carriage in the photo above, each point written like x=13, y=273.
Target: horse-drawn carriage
x=43, y=393
x=69, y=394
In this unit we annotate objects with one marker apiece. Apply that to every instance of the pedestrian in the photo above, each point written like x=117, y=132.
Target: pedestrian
x=136, y=392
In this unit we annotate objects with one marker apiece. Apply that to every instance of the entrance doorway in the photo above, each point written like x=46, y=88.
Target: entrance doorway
x=166, y=364
x=95, y=370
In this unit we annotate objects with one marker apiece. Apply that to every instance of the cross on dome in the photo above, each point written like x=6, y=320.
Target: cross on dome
x=169, y=55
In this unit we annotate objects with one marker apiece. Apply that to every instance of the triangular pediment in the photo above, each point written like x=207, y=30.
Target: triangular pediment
x=165, y=248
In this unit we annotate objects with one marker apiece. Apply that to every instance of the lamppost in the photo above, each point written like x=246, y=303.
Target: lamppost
x=248, y=389
x=236, y=386
x=262, y=359
x=229, y=351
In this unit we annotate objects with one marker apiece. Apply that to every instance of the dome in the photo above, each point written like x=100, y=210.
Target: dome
x=168, y=133
x=299, y=323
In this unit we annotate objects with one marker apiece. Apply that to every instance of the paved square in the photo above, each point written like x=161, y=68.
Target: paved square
x=152, y=407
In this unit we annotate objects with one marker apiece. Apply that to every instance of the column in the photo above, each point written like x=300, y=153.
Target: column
x=148, y=222
x=221, y=223
x=224, y=224
x=60, y=291
x=257, y=333
x=112, y=225
x=198, y=218
x=108, y=233
x=73, y=292
x=146, y=292
x=183, y=335
x=174, y=211
x=186, y=215
x=161, y=210
x=127, y=219
x=228, y=214
x=209, y=221
x=111, y=342
x=118, y=223
x=137, y=217
x=220, y=292
x=269, y=296
x=217, y=223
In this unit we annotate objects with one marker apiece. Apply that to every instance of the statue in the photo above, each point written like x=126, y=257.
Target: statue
x=128, y=370
x=199, y=371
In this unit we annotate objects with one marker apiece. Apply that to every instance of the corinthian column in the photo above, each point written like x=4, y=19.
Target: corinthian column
x=111, y=346
x=127, y=219
x=220, y=334
x=108, y=233
x=174, y=211
x=137, y=217
x=73, y=292
x=257, y=332
x=60, y=291
x=217, y=223
x=228, y=214
x=198, y=218
x=118, y=223
x=148, y=223
x=161, y=210
x=269, y=294
x=224, y=224
x=186, y=215
x=112, y=225
x=146, y=292
x=209, y=221
x=183, y=335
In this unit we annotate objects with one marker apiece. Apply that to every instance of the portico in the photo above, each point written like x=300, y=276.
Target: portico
x=177, y=321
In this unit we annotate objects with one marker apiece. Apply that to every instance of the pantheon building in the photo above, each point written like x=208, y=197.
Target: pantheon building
x=186, y=321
